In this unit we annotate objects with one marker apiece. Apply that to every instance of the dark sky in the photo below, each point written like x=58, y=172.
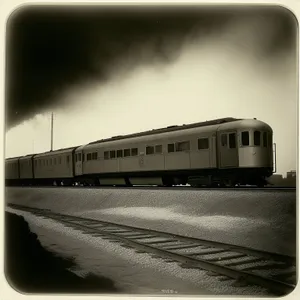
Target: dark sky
x=51, y=48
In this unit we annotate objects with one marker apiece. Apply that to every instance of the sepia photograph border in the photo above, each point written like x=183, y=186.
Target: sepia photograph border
x=6, y=9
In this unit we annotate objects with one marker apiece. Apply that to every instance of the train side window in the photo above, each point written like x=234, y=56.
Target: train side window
x=232, y=140
x=265, y=139
x=119, y=153
x=106, y=155
x=158, y=149
x=126, y=152
x=112, y=154
x=224, y=139
x=270, y=142
x=68, y=159
x=256, y=138
x=134, y=151
x=94, y=155
x=182, y=146
x=245, y=138
x=171, y=148
x=203, y=143
x=149, y=150
x=79, y=156
x=88, y=157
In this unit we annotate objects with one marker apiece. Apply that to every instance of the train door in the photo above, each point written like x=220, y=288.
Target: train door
x=79, y=157
x=227, y=148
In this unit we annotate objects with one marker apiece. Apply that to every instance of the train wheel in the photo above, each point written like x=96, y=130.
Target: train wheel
x=97, y=182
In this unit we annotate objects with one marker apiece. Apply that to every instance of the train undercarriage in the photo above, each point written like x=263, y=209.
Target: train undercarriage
x=213, y=178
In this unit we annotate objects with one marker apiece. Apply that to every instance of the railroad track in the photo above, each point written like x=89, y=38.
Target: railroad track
x=246, y=266
x=146, y=187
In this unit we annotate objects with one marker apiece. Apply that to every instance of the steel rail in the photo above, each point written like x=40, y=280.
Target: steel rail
x=115, y=232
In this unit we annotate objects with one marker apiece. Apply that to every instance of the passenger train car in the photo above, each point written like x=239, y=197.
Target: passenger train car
x=222, y=152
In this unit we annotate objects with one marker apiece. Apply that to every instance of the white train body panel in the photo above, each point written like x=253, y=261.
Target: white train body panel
x=78, y=161
x=26, y=170
x=12, y=168
x=255, y=154
x=192, y=158
x=54, y=164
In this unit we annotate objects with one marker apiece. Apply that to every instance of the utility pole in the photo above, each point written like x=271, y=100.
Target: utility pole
x=51, y=132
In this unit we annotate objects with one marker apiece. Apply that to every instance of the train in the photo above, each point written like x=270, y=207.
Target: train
x=222, y=152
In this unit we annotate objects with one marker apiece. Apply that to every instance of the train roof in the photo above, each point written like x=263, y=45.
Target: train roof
x=44, y=153
x=13, y=158
x=54, y=152
x=168, y=129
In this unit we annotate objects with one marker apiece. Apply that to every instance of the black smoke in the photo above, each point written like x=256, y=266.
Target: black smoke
x=50, y=48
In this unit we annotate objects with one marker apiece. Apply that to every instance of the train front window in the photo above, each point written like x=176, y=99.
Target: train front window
x=265, y=139
x=126, y=152
x=182, y=146
x=119, y=153
x=134, y=151
x=232, y=141
x=158, y=149
x=149, y=150
x=112, y=154
x=245, y=138
x=203, y=143
x=224, y=140
x=256, y=138
x=106, y=155
x=171, y=148
x=270, y=142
